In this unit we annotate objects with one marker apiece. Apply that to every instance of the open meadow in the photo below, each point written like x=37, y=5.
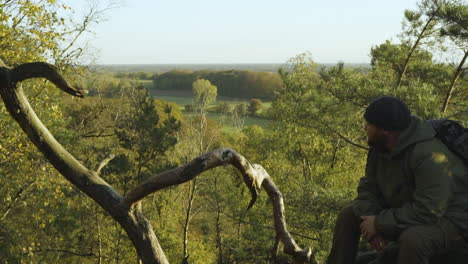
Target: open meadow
x=183, y=98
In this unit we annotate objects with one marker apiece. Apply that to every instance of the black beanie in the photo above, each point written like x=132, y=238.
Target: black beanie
x=389, y=113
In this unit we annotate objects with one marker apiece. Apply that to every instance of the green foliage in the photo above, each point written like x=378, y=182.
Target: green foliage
x=311, y=151
x=255, y=105
x=141, y=131
x=318, y=126
x=453, y=15
x=241, y=109
x=388, y=60
x=223, y=107
x=134, y=75
x=168, y=110
x=29, y=30
x=392, y=56
x=41, y=214
x=205, y=93
x=189, y=108
x=236, y=84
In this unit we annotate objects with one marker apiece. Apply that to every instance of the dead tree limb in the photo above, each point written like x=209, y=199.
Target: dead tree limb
x=127, y=210
x=255, y=177
x=88, y=181
x=104, y=162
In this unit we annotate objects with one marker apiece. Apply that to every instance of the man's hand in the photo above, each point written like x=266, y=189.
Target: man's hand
x=368, y=227
x=378, y=243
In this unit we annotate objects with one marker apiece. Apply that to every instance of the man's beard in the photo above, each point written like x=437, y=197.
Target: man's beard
x=379, y=144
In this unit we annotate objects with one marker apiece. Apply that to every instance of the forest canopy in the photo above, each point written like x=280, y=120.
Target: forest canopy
x=231, y=83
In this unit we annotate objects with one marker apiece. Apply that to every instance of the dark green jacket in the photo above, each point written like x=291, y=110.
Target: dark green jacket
x=417, y=183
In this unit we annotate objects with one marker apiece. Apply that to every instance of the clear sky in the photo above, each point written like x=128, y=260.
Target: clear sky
x=245, y=31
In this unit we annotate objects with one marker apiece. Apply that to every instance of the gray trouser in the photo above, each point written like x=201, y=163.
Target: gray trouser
x=416, y=244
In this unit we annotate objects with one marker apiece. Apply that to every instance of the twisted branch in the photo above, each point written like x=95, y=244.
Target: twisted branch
x=126, y=210
x=88, y=181
x=47, y=71
x=254, y=176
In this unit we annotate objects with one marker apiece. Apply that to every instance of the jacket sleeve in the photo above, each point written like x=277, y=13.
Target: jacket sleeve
x=369, y=201
x=429, y=200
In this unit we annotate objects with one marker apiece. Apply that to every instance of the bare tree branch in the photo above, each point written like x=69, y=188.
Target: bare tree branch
x=88, y=254
x=131, y=219
x=17, y=196
x=44, y=70
x=290, y=246
x=192, y=169
x=96, y=135
x=255, y=176
x=351, y=142
x=126, y=210
x=274, y=250
x=104, y=163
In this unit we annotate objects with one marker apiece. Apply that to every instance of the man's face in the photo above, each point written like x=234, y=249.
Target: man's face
x=376, y=137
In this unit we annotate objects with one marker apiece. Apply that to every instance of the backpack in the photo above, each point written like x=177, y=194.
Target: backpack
x=453, y=135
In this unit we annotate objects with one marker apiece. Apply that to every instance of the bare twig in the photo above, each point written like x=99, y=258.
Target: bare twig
x=15, y=199
x=104, y=163
x=351, y=142
x=66, y=251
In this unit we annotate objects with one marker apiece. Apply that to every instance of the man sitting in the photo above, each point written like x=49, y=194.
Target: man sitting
x=412, y=191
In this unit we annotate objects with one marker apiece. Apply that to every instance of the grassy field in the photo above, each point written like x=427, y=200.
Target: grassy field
x=185, y=98
x=147, y=83
x=228, y=123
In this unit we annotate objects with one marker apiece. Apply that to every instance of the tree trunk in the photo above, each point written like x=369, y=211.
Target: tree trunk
x=98, y=225
x=188, y=215
x=219, y=238
x=452, y=83
x=413, y=48
x=131, y=219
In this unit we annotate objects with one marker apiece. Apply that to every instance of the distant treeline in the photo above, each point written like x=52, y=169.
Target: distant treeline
x=161, y=68
x=231, y=83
